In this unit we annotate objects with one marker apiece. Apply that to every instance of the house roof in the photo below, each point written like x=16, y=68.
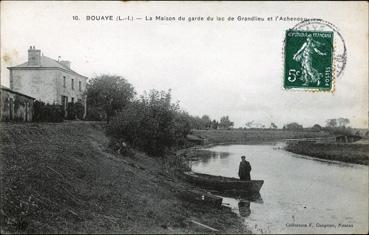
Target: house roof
x=15, y=92
x=46, y=62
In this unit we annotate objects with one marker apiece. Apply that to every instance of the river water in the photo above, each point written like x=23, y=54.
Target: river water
x=299, y=195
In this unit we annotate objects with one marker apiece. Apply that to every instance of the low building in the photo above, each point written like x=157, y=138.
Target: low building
x=15, y=106
x=347, y=138
x=48, y=80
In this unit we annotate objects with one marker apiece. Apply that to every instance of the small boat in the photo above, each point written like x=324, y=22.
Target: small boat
x=223, y=184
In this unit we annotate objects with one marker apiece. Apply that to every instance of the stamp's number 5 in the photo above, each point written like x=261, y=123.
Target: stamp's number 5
x=292, y=75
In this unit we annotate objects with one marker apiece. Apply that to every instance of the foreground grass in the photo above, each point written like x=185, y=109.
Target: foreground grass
x=62, y=178
x=351, y=153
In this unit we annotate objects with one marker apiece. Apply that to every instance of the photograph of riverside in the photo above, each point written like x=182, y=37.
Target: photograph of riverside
x=135, y=127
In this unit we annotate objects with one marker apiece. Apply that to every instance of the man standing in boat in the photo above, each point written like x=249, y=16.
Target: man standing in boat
x=244, y=169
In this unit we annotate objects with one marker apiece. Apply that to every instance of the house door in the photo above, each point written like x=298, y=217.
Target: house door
x=27, y=104
x=65, y=104
x=11, y=109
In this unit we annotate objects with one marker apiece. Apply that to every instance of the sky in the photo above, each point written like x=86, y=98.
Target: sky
x=217, y=68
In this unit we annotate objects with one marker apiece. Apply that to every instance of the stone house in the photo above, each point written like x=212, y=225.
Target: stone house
x=15, y=106
x=48, y=80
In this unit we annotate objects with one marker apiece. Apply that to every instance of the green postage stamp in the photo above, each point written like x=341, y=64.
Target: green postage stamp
x=308, y=61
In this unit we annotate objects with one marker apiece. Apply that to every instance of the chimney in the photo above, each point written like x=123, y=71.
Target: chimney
x=65, y=63
x=34, y=56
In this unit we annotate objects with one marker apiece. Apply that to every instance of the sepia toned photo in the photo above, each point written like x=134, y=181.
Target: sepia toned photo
x=122, y=117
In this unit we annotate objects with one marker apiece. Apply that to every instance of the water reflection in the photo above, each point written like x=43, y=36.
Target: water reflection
x=244, y=208
x=255, y=198
x=223, y=155
x=206, y=155
x=244, y=201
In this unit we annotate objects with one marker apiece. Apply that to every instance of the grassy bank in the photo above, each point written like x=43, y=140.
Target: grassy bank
x=62, y=178
x=255, y=136
x=351, y=153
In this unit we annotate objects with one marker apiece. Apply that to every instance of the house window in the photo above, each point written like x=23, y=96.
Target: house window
x=64, y=81
x=72, y=84
x=80, y=86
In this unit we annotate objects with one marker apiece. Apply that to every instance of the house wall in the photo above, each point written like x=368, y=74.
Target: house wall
x=15, y=107
x=67, y=90
x=37, y=83
x=47, y=85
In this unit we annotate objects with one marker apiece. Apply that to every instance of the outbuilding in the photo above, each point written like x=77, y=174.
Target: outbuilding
x=15, y=106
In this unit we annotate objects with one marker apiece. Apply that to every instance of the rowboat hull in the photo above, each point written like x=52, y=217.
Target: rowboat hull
x=223, y=184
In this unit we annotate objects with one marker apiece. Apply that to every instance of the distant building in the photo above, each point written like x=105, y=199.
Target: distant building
x=15, y=106
x=48, y=80
x=347, y=138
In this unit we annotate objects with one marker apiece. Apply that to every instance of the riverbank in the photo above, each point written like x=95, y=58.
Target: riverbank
x=350, y=152
x=357, y=153
x=253, y=136
x=63, y=178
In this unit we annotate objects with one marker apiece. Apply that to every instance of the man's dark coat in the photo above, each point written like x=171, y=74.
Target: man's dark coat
x=244, y=170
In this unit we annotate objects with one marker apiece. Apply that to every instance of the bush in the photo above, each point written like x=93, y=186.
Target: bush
x=316, y=127
x=109, y=94
x=47, y=112
x=95, y=114
x=293, y=126
x=151, y=123
x=75, y=111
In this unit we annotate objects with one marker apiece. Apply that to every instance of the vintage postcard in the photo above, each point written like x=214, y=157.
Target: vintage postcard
x=184, y=117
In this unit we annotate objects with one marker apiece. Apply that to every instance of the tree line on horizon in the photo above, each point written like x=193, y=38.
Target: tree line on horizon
x=152, y=122
x=108, y=94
